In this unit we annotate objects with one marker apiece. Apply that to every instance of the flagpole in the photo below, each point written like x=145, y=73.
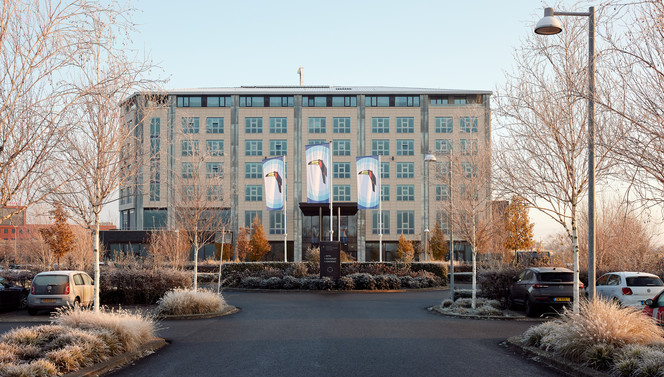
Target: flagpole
x=331, y=196
x=285, y=213
x=380, y=213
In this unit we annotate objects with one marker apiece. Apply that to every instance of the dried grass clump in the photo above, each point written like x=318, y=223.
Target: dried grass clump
x=68, y=358
x=185, y=302
x=131, y=329
x=639, y=360
x=36, y=368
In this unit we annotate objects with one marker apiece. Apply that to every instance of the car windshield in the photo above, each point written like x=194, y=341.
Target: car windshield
x=51, y=279
x=556, y=276
x=644, y=281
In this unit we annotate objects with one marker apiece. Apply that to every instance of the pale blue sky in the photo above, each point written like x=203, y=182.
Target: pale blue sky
x=417, y=43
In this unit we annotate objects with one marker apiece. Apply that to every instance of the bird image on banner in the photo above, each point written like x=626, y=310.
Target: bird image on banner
x=372, y=176
x=323, y=168
x=276, y=176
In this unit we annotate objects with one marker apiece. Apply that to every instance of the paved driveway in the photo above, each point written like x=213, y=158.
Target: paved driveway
x=336, y=334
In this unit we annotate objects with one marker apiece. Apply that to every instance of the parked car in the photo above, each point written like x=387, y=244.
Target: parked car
x=655, y=308
x=12, y=296
x=629, y=288
x=53, y=289
x=537, y=288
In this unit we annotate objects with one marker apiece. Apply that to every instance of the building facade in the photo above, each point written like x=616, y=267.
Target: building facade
x=222, y=135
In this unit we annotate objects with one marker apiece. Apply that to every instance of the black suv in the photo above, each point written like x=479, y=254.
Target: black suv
x=536, y=288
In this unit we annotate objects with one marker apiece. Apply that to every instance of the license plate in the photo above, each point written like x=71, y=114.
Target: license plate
x=561, y=299
x=48, y=300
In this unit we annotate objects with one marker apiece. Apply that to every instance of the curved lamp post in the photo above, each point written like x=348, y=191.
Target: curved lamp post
x=550, y=25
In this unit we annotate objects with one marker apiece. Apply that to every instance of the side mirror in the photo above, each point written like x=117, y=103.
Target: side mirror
x=649, y=302
x=515, y=278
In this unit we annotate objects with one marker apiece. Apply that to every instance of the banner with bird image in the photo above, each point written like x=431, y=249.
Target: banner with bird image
x=318, y=179
x=368, y=182
x=274, y=178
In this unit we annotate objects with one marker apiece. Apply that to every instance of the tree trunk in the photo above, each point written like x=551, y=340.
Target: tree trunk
x=196, y=260
x=473, y=251
x=96, y=253
x=575, y=256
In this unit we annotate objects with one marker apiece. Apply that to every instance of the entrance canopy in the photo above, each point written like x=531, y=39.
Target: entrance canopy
x=313, y=209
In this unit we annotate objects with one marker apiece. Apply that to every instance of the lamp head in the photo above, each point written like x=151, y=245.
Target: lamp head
x=549, y=24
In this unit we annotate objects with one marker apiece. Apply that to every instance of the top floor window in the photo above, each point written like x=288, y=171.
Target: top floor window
x=249, y=101
x=460, y=101
x=407, y=101
x=189, y=101
x=314, y=101
x=281, y=101
x=218, y=101
x=345, y=101
x=377, y=101
x=439, y=100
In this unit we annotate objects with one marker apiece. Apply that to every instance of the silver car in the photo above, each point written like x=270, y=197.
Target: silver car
x=629, y=288
x=54, y=289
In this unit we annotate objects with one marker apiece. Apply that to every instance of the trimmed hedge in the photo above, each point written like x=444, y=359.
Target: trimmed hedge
x=139, y=286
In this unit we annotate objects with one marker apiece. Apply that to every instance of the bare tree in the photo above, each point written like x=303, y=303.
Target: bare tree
x=171, y=247
x=104, y=149
x=542, y=144
x=40, y=45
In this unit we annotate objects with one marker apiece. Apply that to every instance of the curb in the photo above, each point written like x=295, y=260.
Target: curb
x=228, y=311
x=119, y=361
x=437, y=310
x=261, y=290
x=540, y=356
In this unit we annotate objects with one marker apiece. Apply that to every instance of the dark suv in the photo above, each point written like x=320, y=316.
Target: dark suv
x=536, y=288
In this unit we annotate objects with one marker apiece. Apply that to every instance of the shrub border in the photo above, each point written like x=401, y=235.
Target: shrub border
x=227, y=311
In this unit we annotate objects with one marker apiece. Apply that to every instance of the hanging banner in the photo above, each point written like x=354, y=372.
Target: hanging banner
x=274, y=178
x=318, y=169
x=368, y=182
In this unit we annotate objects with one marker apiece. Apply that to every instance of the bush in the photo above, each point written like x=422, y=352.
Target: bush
x=363, y=281
x=185, y=301
x=139, y=286
x=495, y=284
x=345, y=283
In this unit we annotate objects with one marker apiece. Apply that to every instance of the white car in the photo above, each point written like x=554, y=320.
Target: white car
x=54, y=289
x=629, y=288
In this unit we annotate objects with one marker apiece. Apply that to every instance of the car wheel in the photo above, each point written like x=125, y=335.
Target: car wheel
x=23, y=301
x=529, y=308
x=32, y=311
x=77, y=302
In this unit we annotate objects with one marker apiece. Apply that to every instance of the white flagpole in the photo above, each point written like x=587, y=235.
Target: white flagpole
x=285, y=214
x=331, y=173
x=380, y=213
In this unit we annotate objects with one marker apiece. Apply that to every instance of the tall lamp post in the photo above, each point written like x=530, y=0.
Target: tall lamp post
x=550, y=25
x=428, y=158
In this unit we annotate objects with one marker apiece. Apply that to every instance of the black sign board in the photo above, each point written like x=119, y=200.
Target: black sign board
x=330, y=259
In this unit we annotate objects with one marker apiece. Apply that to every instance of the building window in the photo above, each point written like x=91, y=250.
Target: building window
x=341, y=170
x=187, y=170
x=278, y=125
x=311, y=101
x=408, y=101
x=468, y=125
x=155, y=127
x=405, y=147
x=219, y=101
x=380, y=125
x=385, y=170
x=469, y=171
x=316, y=125
x=214, y=169
x=341, y=147
x=405, y=125
x=190, y=125
x=189, y=193
x=253, y=125
x=380, y=147
x=405, y=169
x=253, y=147
x=341, y=125
x=190, y=148
x=214, y=125
x=248, y=101
x=276, y=222
x=214, y=193
x=249, y=217
x=444, y=125
x=155, y=191
x=443, y=146
x=345, y=101
x=377, y=101
x=385, y=193
x=375, y=226
x=278, y=147
x=442, y=192
x=405, y=193
x=438, y=100
x=316, y=141
x=253, y=193
x=281, y=101
x=253, y=169
x=406, y=222
x=341, y=193
x=468, y=147
x=460, y=101
x=186, y=101
x=215, y=147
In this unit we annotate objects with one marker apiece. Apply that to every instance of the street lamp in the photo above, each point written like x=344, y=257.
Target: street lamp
x=428, y=158
x=550, y=25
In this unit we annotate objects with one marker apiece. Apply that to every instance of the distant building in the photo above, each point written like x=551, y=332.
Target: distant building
x=239, y=127
x=16, y=227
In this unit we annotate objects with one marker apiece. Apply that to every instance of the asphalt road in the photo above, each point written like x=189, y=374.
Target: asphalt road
x=336, y=334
